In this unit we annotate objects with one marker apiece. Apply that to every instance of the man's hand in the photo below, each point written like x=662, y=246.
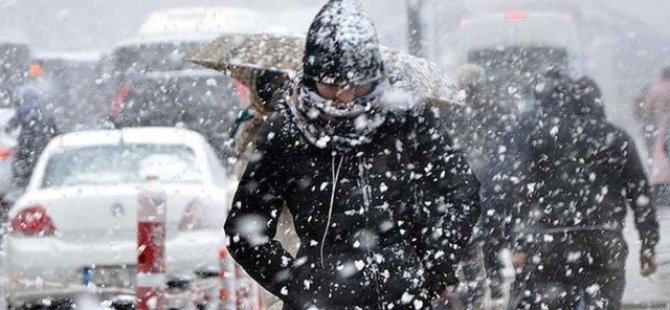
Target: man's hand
x=520, y=259
x=647, y=265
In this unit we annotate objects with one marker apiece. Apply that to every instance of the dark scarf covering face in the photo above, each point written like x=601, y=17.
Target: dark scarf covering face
x=340, y=126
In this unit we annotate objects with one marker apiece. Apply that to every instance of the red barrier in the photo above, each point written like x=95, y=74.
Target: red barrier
x=227, y=292
x=243, y=289
x=237, y=290
x=151, y=246
x=248, y=291
x=261, y=298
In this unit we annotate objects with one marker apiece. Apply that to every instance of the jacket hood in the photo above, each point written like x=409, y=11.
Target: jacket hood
x=589, y=99
x=342, y=47
x=568, y=97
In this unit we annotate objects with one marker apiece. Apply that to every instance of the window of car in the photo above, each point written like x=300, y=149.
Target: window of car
x=122, y=163
x=152, y=57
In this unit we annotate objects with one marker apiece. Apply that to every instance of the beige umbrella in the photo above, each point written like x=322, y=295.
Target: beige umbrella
x=244, y=56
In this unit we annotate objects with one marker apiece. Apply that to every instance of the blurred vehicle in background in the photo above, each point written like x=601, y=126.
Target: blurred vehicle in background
x=14, y=58
x=79, y=213
x=204, y=21
x=517, y=47
x=166, y=36
x=200, y=100
x=71, y=88
x=137, y=57
x=216, y=20
x=156, y=87
x=151, y=85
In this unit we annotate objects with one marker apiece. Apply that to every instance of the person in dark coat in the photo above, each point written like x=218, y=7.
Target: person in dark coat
x=655, y=110
x=382, y=202
x=579, y=175
x=36, y=131
x=487, y=117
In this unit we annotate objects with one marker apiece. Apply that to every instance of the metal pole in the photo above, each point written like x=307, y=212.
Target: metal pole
x=415, y=28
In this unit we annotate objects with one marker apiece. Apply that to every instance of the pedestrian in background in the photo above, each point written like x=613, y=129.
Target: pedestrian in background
x=487, y=120
x=382, y=202
x=579, y=175
x=655, y=112
x=36, y=130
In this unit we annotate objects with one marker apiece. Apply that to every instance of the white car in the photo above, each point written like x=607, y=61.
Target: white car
x=74, y=230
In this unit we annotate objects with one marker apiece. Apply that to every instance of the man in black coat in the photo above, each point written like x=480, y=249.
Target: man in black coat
x=381, y=201
x=579, y=175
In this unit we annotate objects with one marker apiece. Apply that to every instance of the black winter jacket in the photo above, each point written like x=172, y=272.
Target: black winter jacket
x=381, y=226
x=581, y=173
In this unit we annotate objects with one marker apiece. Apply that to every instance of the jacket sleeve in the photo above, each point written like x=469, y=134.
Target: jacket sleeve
x=252, y=222
x=447, y=199
x=524, y=169
x=639, y=199
x=500, y=195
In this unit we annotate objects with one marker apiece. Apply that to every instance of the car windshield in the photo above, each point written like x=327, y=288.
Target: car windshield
x=123, y=163
x=152, y=57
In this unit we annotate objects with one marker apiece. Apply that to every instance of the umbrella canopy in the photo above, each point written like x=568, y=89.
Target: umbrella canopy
x=244, y=57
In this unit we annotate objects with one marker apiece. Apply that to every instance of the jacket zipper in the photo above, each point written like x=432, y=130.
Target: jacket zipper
x=364, y=183
x=336, y=176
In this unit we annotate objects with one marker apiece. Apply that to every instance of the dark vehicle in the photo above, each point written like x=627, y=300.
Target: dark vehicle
x=523, y=47
x=197, y=99
x=71, y=84
x=154, y=86
x=152, y=55
x=14, y=58
x=131, y=59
